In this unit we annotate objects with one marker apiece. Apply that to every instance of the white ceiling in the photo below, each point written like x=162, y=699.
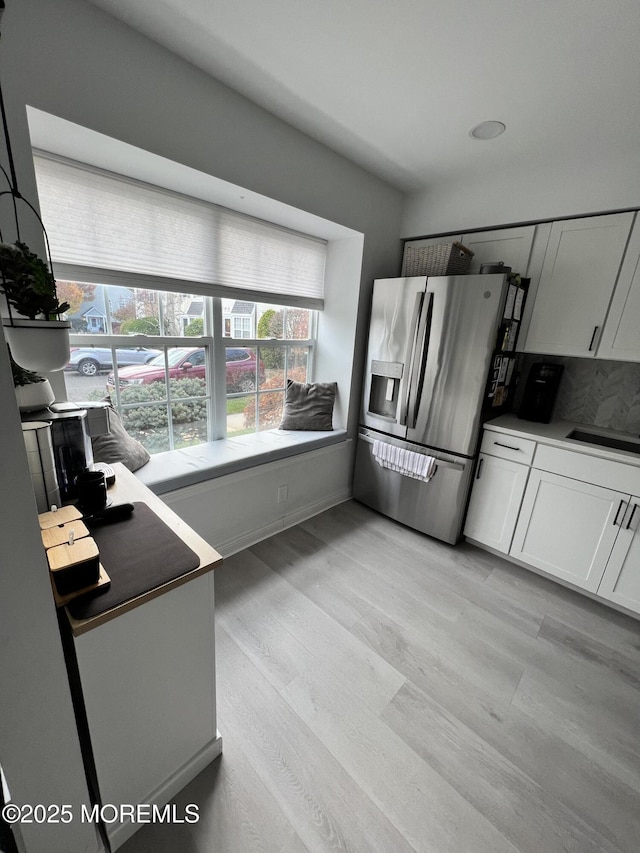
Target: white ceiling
x=396, y=85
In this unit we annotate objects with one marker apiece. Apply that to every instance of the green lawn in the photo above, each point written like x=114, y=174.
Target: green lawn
x=235, y=405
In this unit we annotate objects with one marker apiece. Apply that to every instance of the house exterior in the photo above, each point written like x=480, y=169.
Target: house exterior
x=73, y=61
x=94, y=314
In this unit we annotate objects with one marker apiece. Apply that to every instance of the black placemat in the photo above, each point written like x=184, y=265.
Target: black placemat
x=139, y=554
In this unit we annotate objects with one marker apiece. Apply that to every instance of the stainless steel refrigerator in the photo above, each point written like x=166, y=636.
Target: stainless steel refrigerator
x=430, y=346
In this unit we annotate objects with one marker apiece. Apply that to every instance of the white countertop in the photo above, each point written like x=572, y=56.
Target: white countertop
x=556, y=434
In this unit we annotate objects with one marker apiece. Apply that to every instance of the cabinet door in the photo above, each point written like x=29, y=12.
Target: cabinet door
x=512, y=246
x=621, y=580
x=579, y=272
x=621, y=336
x=495, y=501
x=148, y=683
x=567, y=528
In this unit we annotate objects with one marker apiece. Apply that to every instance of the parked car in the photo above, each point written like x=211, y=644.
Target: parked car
x=89, y=361
x=190, y=362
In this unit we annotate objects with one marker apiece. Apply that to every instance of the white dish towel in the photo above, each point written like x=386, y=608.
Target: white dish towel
x=406, y=462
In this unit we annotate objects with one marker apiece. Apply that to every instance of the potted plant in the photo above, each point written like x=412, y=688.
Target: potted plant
x=32, y=391
x=38, y=338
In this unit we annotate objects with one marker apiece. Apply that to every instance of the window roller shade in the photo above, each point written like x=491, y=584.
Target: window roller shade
x=99, y=221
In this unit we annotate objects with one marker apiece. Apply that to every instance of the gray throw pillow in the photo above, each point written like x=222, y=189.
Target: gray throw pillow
x=118, y=446
x=309, y=406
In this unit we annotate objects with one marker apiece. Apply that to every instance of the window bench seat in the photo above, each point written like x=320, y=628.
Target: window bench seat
x=175, y=469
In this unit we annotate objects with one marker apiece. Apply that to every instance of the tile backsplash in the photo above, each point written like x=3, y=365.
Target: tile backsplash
x=599, y=393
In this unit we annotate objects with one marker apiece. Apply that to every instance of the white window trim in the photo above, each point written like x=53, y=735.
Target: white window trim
x=216, y=365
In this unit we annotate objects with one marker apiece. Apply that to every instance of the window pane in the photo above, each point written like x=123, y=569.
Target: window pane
x=238, y=318
x=241, y=369
x=148, y=423
x=242, y=319
x=88, y=309
x=182, y=314
x=270, y=405
x=297, y=363
x=274, y=360
x=146, y=384
x=97, y=309
x=189, y=421
x=241, y=415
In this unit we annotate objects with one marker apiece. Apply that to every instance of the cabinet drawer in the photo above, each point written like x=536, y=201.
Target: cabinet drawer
x=506, y=446
x=607, y=473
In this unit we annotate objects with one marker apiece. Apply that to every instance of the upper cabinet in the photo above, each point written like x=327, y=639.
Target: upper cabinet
x=512, y=246
x=621, y=335
x=584, y=297
x=579, y=272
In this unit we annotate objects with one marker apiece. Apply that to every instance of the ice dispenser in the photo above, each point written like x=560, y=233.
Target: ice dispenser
x=385, y=388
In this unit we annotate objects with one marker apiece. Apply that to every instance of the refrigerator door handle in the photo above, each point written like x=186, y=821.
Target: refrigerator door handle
x=417, y=366
x=415, y=326
x=440, y=462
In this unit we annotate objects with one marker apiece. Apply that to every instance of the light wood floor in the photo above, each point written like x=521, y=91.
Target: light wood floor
x=381, y=691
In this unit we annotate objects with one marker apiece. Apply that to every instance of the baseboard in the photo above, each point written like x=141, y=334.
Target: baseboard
x=119, y=833
x=240, y=543
x=561, y=581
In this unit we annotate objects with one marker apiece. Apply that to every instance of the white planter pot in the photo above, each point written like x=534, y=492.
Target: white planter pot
x=39, y=345
x=37, y=395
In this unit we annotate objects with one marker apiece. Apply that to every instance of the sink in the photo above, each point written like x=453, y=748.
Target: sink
x=616, y=443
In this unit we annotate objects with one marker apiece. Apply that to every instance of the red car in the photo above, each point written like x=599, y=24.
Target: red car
x=191, y=362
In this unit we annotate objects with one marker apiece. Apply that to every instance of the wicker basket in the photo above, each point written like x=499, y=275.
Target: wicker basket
x=443, y=259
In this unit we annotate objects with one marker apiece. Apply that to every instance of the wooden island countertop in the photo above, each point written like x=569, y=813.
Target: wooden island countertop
x=128, y=489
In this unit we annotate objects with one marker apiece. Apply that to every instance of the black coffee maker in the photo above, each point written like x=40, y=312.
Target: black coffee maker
x=540, y=392
x=72, y=449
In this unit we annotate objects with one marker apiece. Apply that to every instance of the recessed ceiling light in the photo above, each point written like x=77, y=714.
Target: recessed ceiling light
x=487, y=130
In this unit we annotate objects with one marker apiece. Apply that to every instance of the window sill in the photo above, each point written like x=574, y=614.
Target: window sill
x=176, y=469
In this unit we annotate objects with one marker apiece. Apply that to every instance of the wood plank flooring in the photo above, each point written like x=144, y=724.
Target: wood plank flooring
x=382, y=692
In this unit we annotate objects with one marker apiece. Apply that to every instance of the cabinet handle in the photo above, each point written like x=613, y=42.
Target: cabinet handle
x=620, y=505
x=593, y=337
x=633, y=512
x=508, y=446
x=479, y=469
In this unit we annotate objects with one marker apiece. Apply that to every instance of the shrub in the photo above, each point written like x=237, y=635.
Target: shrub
x=141, y=326
x=270, y=405
x=184, y=411
x=195, y=327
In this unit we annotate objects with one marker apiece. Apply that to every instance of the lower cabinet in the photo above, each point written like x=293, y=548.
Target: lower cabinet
x=549, y=517
x=495, y=500
x=148, y=684
x=621, y=579
x=568, y=528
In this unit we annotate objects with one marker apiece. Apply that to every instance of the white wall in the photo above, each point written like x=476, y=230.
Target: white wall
x=39, y=747
x=69, y=59
x=501, y=198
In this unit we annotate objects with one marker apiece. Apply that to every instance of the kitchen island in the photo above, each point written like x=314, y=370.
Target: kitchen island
x=141, y=659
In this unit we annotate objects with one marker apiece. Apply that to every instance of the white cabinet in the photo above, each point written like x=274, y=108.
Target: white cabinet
x=571, y=514
x=146, y=690
x=621, y=335
x=501, y=477
x=567, y=527
x=495, y=501
x=621, y=580
x=579, y=272
x=512, y=246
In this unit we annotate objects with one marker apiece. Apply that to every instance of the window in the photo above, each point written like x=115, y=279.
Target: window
x=242, y=327
x=159, y=373
x=167, y=310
